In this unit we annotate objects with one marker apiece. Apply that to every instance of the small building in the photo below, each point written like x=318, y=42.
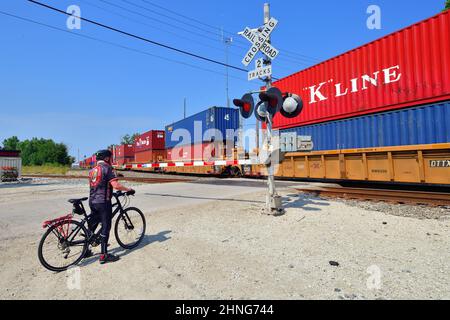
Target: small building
x=10, y=161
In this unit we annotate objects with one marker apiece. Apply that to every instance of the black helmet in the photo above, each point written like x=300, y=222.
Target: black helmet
x=102, y=154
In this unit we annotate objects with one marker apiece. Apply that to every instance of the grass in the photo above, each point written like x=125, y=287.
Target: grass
x=45, y=169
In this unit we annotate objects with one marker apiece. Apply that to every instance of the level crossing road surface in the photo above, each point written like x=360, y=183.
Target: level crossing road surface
x=24, y=207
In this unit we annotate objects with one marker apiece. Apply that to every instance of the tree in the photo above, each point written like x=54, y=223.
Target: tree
x=11, y=143
x=447, y=5
x=127, y=139
x=40, y=151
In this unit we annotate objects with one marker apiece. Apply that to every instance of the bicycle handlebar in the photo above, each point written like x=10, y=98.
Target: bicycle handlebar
x=122, y=194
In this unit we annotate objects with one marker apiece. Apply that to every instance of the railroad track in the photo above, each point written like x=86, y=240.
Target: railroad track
x=131, y=179
x=391, y=196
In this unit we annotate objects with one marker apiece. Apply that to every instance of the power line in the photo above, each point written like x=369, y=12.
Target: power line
x=160, y=21
x=286, y=59
x=184, y=16
x=115, y=44
x=162, y=29
x=286, y=52
x=140, y=38
x=164, y=15
x=150, y=25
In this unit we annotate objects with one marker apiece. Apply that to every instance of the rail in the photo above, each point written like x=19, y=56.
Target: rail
x=392, y=196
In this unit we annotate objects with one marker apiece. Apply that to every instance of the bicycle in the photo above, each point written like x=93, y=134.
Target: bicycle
x=67, y=240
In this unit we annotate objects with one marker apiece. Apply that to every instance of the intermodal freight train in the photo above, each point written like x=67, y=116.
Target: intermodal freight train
x=380, y=112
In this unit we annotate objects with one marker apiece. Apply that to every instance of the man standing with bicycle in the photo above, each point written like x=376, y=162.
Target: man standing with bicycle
x=102, y=181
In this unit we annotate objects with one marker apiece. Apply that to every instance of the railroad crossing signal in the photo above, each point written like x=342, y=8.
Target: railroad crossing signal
x=271, y=98
x=273, y=101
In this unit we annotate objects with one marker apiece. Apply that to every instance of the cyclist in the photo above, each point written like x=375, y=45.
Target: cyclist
x=102, y=181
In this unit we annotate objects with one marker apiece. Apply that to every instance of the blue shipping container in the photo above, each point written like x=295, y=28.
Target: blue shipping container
x=415, y=125
x=216, y=123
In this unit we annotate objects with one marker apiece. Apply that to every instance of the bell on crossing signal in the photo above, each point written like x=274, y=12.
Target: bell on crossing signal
x=261, y=111
x=246, y=105
x=273, y=100
x=292, y=106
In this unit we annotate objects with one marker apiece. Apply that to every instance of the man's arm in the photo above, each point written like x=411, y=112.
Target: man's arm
x=118, y=186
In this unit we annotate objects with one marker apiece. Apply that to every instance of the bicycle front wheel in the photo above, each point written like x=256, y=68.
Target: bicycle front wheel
x=130, y=228
x=63, y=245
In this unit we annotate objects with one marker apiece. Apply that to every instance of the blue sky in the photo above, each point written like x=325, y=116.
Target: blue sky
x=87, y=93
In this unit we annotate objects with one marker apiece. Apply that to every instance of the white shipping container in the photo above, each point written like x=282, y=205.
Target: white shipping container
x=11, y=162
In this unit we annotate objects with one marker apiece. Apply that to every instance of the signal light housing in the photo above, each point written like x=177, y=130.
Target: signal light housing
x=246, y=105
x=273, y=100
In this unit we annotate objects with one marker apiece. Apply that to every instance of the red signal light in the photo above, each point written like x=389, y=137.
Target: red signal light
x=245, y=104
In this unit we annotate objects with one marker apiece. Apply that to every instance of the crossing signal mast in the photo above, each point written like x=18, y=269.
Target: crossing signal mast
x=272, y=100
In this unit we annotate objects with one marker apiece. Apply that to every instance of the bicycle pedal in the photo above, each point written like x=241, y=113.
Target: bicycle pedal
x=95, y=244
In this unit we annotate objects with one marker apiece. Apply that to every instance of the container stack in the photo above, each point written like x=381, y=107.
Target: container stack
x=149, y=147
x=206, y=135
x=123, y=154
x=394, y=91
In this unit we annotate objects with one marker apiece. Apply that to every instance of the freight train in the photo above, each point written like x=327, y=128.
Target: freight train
x=380, y=112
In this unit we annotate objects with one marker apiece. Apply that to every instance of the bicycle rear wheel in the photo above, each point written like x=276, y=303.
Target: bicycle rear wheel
x=130, y=228
x=58, y=252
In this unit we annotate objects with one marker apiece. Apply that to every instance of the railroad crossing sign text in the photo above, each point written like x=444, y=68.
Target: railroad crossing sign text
x=259, y=40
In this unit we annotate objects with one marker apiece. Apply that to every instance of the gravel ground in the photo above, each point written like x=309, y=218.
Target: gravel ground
x=402, y=210
x=226, y=249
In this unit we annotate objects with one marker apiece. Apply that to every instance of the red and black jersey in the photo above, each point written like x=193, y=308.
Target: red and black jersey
x=100, y=178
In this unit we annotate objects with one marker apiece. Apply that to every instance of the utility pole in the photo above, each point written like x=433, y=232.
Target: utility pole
x=228, y=41
x=273, y=200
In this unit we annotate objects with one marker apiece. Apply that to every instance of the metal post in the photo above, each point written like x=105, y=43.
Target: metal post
x=273, y=200
x=257, y=137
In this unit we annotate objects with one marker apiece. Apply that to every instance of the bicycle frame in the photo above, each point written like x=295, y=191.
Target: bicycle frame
x=64, y=235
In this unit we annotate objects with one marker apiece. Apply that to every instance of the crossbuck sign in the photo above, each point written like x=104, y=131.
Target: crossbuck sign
x=259, y=40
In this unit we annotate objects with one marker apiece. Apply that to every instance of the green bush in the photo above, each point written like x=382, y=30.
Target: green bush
x=38, y=152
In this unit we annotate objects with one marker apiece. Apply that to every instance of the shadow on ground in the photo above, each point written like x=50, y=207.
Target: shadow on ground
x=303, y=202
x=200, y=198
x=254, y=183
x=121, y=252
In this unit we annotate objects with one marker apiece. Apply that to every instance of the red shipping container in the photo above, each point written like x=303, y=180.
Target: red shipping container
x=150, y=156
x=124, y=151
x=123, y=154
x=151, y=140
x=206, y=151
x=406, y=68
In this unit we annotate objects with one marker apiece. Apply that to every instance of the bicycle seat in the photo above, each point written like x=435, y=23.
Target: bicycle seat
x=73, y=201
